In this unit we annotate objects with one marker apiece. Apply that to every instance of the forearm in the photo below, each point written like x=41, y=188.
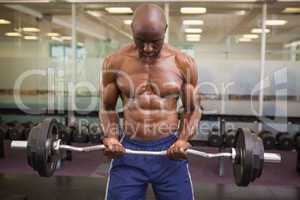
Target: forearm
x=190, y=124
x=109, y=123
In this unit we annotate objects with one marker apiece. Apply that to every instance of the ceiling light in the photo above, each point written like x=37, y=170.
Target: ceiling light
x=240, y=12
x=259, y=30
x=66, y=38
x=292, y=44
x=193, y=10
x=30, y=29
x=193, y=30
x=52, y=34
x=192, y=22
x=13, y=34
x=56, y=39
x=93, y=13
x=119, y=10
x=4, y=21
x=127, y=21
x=291, y=10
x=193, y=39
x=193, y=36
x=275, y=22
x=250, y=36
x=244, y=40
x=30, y=37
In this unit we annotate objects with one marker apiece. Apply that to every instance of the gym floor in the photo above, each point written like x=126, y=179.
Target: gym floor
x=84, y=178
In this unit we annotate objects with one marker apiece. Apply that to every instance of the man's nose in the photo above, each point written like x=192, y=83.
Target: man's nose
x=148, y=47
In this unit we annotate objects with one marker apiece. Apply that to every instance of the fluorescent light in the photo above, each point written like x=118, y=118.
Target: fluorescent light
x=193, y=30
x=245, y=39
x=295, y=43
x=119, y=10
x=193, y=10
x=127, y=21
x=292, y=10
x=93, y=13
x=4, y=21
x=13, y=34
x=240, y=12
x=66, y=38
x=259, y=30
x=56, y=39
x=30, y=29
x=250, y=36
x=52, y=34
x=193, y=37
x=275, y=22
x=192, y=22
x=30, y=37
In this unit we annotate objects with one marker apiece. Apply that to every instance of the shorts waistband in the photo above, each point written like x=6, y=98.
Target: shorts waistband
x=159, y=142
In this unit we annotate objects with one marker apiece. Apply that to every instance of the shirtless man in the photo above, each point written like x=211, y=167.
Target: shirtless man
x=150, y=77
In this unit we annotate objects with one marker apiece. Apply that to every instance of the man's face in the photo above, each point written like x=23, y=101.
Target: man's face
x=149, y=43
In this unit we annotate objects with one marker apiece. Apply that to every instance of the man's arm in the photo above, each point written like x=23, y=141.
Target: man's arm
x=190, y=101
x=109, y=94
x=109, y=118
x=191, y=105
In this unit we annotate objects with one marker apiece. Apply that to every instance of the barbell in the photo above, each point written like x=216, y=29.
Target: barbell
x=44, y=148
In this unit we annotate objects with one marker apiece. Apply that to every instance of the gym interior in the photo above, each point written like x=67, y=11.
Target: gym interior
x=246, y=53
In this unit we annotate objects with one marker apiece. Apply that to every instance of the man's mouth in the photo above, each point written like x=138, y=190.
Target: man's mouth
x=148, y=54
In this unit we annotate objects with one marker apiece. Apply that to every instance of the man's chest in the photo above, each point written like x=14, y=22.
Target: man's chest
x=162, y=77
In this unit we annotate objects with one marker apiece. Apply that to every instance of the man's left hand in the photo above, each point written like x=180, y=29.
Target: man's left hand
x=178, y=150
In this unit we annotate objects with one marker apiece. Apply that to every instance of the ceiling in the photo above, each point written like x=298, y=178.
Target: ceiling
x=220, y=22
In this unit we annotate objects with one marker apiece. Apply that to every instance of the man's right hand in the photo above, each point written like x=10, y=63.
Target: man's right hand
x=113, y=148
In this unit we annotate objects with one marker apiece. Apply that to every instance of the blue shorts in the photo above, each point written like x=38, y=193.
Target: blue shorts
x=129, y=176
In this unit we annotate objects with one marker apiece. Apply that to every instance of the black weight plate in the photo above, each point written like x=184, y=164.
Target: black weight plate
x=261, y=161
x=257, y=157
x=95, y=135
x=46, y=155
x=268, y=141
x=82, y=135
x=297, y=141
x=66, y=135
x=214, y=140
x=229, y=139
x=285, y=142
x=15, y=131
x=242, y=166
x=95, y=138
x=4, y=129
x=31, y=144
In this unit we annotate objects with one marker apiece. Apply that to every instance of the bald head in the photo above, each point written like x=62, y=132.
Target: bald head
x=148, y=27
x=149, y=18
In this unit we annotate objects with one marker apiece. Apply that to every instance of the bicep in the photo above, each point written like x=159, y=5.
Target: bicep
x=189, y=87
x=109, y=91
x=110, y=94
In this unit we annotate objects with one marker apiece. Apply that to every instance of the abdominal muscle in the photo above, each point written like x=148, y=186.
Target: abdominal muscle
x=145, y=120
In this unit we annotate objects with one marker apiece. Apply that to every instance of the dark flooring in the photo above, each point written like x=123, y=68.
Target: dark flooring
x=87, y=188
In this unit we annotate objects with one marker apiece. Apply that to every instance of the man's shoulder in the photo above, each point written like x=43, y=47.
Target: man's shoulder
x=116, y=58
x=182, y=59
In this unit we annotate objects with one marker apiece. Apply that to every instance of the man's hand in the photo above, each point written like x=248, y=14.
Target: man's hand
x=178, y=150
x=113, y=148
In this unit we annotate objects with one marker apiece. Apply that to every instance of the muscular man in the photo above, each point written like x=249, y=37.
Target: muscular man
x=150, y=77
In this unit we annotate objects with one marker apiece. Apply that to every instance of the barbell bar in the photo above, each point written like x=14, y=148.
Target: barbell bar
x=268, y=157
